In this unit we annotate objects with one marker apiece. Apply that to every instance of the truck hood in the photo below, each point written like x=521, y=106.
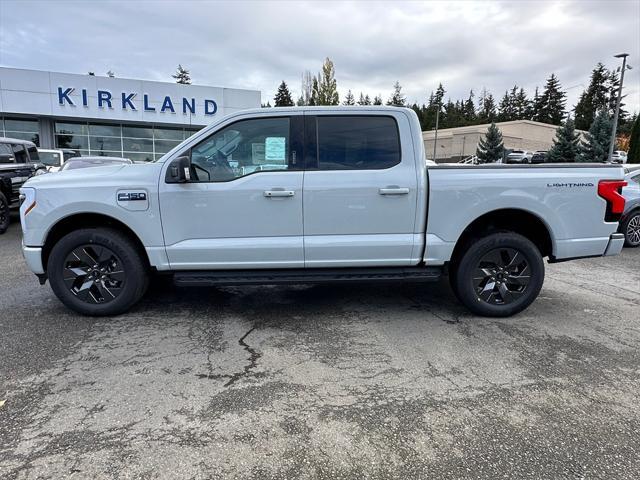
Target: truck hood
x=109, y=174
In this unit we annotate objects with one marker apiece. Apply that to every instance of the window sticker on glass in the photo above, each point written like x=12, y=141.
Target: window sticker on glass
x=274, y=149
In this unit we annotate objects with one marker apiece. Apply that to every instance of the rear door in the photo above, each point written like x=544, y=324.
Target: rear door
x=360, y=190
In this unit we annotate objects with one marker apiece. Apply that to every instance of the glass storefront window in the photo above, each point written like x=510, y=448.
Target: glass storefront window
x=105, y=130
x=169, y=133
x=74, y=128
x=32, y=137
x=105, y=143
x=72, y=141
x=19, y=125
x=138, y=144
x=163, y=146
x=138, y=157
x=137, y=132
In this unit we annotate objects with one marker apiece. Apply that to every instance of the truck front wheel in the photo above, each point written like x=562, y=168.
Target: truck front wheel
x=499, y=275
x=97, y=271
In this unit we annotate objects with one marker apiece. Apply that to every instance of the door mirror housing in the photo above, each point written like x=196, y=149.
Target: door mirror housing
x=179, y=170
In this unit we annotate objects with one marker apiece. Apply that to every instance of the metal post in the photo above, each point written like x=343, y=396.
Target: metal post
x=615, y=116
x=435, y=140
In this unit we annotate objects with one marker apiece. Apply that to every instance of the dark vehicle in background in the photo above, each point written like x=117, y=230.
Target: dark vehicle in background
x=86, y=162
x=19, y=160
x=630, y=221
x=539, y=156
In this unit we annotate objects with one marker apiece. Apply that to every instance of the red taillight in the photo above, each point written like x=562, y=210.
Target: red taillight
x=611, y=191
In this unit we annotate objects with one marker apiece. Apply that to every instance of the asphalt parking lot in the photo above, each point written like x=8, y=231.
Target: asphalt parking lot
x=359, y=381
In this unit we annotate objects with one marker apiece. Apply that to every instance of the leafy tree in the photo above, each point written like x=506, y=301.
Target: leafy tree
x=182, y=76
x=634, y=144
x=364, y=100
x=397, y=98
x=327, y=85
x=490, y=148
x=596, y=147
x=283, y=96
x=566, y=145
x=550, y=106
x=377, y=100
x=593, y=99
x=349, y=99
x=306, y=87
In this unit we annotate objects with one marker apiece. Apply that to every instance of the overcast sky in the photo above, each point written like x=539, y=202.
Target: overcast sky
x=464, y=45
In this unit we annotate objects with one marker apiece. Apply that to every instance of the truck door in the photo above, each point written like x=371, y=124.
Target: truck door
x=242, y=208
x=360, y=190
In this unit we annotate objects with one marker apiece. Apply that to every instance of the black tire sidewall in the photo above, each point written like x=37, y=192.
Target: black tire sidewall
x=4, y=205
x=132, y=264
x=469, y=261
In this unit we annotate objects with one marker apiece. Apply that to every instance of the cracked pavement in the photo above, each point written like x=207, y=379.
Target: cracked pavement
x=343, y=381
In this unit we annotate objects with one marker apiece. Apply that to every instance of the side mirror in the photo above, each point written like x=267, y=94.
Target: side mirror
x=179, y=170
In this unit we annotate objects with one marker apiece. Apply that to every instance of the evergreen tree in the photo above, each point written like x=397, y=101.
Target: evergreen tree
x=596, y=147
x=634, y=144
x=486, y=108
x=283, y=96
x=490, y=148
x=300, y=102
x=594, y=98
x=507, y=106
x=397, y=98
x=550, y=108
x=364, y=99
x=266, y=105
x=438, y=98
x=182, y=76
x=377, y=100
x=349, y=99
x=327, y=85
x=534, y=105
x=315, y=92
x=469, y=110
x=522, y=106
x=566, y=145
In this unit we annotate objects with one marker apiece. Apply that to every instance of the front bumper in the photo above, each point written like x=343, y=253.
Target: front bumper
x=33, y=257
x=616, y=242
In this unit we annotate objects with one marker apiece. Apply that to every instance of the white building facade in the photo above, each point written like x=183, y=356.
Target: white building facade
x=137, y=119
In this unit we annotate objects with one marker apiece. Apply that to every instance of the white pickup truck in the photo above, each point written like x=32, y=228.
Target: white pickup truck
x=318, y=194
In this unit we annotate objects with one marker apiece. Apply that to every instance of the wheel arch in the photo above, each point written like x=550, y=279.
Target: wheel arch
x=79, y=221
x=516, y=220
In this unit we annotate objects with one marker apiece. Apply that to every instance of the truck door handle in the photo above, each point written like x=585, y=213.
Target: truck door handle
x=393, y=190
x=279, y=193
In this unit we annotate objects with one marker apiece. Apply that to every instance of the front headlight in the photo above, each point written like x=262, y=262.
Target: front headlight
x=27, y=201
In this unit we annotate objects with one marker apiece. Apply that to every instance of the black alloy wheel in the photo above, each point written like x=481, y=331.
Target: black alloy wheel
x=502, y=276
x=94, y=274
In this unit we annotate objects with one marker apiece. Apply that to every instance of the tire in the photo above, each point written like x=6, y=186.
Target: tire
x=631, y=230
x=97, y=271
x=4, y=213
x=491, y=277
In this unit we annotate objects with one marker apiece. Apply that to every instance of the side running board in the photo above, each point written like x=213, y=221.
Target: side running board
x=297, y=276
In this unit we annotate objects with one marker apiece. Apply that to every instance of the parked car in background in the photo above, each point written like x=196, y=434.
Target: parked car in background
x=519, y=156
x=539, y=156
x=619, y=156
x=630, y=221
x=53, y=159
x=19, y=160
x=86, y=162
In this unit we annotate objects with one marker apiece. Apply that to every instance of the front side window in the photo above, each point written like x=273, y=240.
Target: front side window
x=242, y=148
x=357, y=142
x=6, y=154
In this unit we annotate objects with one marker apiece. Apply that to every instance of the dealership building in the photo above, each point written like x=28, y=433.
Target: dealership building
x=137, y=119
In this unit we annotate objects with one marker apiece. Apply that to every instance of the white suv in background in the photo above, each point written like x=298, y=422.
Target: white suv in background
x=519, y=156
x=619, y=156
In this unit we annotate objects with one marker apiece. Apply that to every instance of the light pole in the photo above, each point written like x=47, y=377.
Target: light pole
x=615, y=116
x=435, y=140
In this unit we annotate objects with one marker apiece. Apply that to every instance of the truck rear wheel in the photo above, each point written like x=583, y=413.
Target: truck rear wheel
x=4, y=213
x=97, y=271
x=499, y=275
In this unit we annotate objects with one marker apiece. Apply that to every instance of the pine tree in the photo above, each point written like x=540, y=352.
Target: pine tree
x=397, y=98
x=490, y=148
x=377, y=100
x=522, y=105
x=349, y=99
x=364, y=99
x=594, y=98
x=507, y=108
x=534, y=106
x=327, y=88
x=283, y=96
x=486, y=108
x=566, y=145
x=266, y=105
x=469, y=110
x=634, y=144
x=182, y=76
x=550, y=108
x=596, y=147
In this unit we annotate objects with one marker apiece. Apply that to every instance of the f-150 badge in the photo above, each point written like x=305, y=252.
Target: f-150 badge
x=131, y=196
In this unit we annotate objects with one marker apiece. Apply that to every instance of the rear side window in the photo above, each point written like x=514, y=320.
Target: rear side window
x=33, y=153
x=357, y=142
x=20, y=153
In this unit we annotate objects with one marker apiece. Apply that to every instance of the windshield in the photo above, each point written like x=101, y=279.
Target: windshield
x=50, y=159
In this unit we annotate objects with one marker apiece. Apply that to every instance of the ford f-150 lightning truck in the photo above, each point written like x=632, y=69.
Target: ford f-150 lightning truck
x=314, y=194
